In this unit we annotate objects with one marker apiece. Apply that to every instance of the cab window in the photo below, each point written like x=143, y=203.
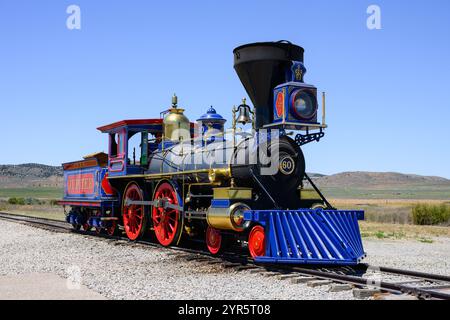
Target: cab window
x=116, y=144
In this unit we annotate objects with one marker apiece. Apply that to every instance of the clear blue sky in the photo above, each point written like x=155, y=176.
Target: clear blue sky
x=388, y=90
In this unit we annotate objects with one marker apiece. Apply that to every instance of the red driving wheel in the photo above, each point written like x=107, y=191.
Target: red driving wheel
x=86, y=226
x=166, y=219
x=213, y=240
x=97, y=229
x=111, y=231
x=133, y=215
x=256, y=242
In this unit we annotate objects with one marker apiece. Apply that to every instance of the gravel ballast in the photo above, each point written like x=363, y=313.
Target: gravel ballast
x=410, y=254
x=125, y=272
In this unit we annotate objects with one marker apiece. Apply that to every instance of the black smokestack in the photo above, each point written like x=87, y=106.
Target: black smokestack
x=261, y=67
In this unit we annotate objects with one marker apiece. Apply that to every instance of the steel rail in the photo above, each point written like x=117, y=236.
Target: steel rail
x=429, y=292
x=414, y=274
x=36, y=220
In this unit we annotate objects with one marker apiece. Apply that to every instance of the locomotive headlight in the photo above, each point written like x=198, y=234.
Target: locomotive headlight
x=303, y=104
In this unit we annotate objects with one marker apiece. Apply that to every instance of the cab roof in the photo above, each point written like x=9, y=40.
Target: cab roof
x=151, y=124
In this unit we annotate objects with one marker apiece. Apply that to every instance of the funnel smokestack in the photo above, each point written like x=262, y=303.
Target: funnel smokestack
x=261, y=67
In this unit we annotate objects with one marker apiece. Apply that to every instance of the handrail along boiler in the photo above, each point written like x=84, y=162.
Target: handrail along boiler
x=176, y=179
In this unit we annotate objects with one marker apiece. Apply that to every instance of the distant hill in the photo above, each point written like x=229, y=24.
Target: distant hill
x=378, y=179
x=30, y=175
x=382, y=185
x=315, y=175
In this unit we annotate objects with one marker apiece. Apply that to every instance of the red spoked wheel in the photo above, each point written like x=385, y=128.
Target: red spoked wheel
x=213, y=240
x=256, y=242
x=86, y=226
x=97, y=229
x=133, y=215
x=112, y=230
x=166, y=220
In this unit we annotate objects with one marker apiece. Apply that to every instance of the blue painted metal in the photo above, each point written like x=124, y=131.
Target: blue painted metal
x=220, y=203
x=70, y=218
x=97, y=222
x=308, y=236
x=212, y=125
x=286, y=113
x=212, y=116
x=296, y=72
x=93, y=177
x=75, y=218
x=166, y=145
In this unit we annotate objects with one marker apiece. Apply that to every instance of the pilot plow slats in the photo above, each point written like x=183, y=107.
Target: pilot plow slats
x=309, y=236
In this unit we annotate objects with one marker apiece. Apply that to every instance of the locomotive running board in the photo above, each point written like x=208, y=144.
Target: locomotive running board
x=308, y=236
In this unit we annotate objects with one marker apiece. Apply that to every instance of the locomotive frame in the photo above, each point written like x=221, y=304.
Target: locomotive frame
x=171, y=194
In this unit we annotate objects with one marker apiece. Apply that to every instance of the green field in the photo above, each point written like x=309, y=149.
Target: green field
x=419, y=192
x=426, y=192
x=38, y=193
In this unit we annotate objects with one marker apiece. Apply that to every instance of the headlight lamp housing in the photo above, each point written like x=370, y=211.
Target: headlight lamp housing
x=303, y=105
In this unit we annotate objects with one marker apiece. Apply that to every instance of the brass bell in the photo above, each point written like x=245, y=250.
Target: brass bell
x=244, y=113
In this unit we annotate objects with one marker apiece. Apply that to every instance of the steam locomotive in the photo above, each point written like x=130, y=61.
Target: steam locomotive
x=175, y=179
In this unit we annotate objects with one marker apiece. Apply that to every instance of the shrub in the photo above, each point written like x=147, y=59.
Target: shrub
x=18, y=201
x=33, y=201
x=380, y=235
x=54, y=202
x=427, y=214
x=25, y=201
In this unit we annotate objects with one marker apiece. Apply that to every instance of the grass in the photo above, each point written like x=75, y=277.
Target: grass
x=386, y=235
x=27, y=201
x=36, y=202
x=400, y=211
x=392, y=219
x=425, y=240
x=44, y=210
x=408, y=193
x=53, y=215
x=38, y=193
x=388, y=231
x=380, y=235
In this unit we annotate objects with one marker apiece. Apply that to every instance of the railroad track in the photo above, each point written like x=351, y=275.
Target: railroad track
x=365, y=280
